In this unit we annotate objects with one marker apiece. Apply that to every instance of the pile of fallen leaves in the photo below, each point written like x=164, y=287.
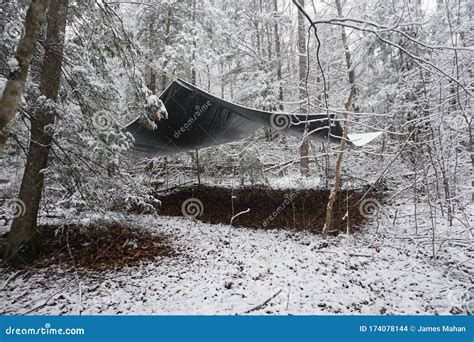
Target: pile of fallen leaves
x=269, y=208
x=99, y=247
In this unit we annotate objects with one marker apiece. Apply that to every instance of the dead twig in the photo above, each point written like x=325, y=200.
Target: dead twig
x=13, y=276
x=264, y=304
x=47, y=300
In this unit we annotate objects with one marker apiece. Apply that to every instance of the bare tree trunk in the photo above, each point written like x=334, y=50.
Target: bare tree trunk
x=342, y=147
x=340, y=155
x=164, y=78
x=347, y=53
x=194, y=81
x=152, y=87
x=193, y=57
x=24, y=53
x=152, y=84
x=22, y=245
x=276, y=30
x=303, y=65
x=222, y=80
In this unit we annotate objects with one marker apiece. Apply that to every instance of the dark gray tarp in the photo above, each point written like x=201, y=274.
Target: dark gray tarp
x=197, y=119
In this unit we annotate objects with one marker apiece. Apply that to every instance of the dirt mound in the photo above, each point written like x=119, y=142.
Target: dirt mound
x=269, y=208
x=98, y=248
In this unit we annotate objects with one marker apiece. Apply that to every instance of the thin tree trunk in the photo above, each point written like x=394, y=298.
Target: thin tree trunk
x=152, y=84
x=303, y=65
x=194, y=81
x=222, y=80
x=193, y=57
x=342, y=147
x=257, y=29
x=22, y=245
x=340, y=155
x=24, y=53
x=164, y=78
x=276, y=30
x=347, y=52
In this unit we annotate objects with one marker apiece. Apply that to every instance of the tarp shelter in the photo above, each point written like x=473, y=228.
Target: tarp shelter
x=197, y=119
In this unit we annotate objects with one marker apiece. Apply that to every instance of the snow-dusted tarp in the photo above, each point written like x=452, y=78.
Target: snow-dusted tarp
x=197, y=119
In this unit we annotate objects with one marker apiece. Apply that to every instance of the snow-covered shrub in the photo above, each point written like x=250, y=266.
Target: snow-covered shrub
x=89, y=167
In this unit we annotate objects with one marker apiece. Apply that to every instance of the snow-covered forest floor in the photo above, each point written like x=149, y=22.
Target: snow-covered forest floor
x=384, y=270
x=387, y=267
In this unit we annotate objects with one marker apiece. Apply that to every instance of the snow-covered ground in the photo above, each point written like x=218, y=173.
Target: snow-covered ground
x=384, y=270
